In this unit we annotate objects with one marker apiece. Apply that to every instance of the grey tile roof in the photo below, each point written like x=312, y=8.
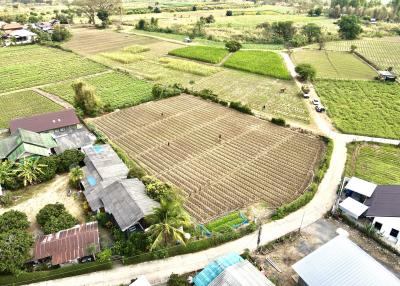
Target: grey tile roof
x=385, y=202
x=74, y=139
x=342, y=262
x=127, y=201
x=241, y=274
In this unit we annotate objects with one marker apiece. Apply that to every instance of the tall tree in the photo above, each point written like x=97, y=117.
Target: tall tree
x=6, y=172
x=75, y=175
x=91, y=7
x=349, y=27
x=166, y=223
x=312, y=31
x=86, y=99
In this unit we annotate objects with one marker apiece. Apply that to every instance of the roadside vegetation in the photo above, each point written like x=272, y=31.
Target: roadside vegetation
x=377, y=163
x=362, y=107
x=201, y=53
x=259, y=62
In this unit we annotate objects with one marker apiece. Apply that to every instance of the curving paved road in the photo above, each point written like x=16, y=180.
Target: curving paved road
x=159, y=271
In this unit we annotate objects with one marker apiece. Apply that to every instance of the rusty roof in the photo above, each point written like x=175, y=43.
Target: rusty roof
x=12, y=26
x=68, y=245
x=46, y=121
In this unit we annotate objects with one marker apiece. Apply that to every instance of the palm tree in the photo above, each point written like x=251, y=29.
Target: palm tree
x=166, y=222
x=75, y=175
x=6, y=172
x=28, y=170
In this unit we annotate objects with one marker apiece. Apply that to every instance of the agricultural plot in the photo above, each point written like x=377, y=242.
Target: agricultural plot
x=222, y=160
x=93, y=41
x=383, y=52
x=261, y=93
x=28, y=66
x=206, y=54
x=22, y=104
x=335, y=65
x=189, y=67
x=373, y=162
x=362, y=107
x=259, y=62
x=116, y=90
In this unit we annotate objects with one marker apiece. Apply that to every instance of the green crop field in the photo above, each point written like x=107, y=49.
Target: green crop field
x=373, y=162
x=335, y=65
x=259, y=62
x=22, y=104
x=383, y=52
x=33, y=65
x=115, y=89
x=212, y=55
x=189, y=66
x=362, y=107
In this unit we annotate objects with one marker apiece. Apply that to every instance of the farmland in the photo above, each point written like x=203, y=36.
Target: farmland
x=383, y=52
x=335, y=65
x=22, y=104
x=259, y=62
x=362, y=107
x=116, y=90
x=201, y=53
x=177, y=140
x=30, y=66
x=373, y=162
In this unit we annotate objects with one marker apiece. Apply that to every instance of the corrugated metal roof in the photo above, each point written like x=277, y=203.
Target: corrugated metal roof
x=68, y=245
x=385, y=202
x=360, y=186
x=353, y=207
x=342, y=262
x=241, y=274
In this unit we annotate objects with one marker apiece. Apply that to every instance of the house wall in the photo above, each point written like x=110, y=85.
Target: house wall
x=388, y=223
x=63, y=130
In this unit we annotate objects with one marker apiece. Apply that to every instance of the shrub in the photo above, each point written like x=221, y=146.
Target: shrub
x=49, y=172
x=104, y=255
x=159, y=91
x=233, y=46
x=68, y=159
x=306, y=71
x=60, y=34
x=229, y=13
x=278, y=121
x=240, y=107
x=54, y=217
x=6, y=200
x=176, y=280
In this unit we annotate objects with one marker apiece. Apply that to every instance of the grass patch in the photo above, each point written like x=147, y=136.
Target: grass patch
x=135, y=49
x=22, y=104
x=362, y=107
x=123, y=57
x=373, y=162
x=206, y=54
x=27, y=66
x=229, y=220
x=259, y=62
x=116, y=90
x=335, y=65
x=190, y=67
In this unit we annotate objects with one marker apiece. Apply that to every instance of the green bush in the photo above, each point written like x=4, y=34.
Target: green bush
x=233, y=46
x=159, y=91
x=278, y=121
x=237, y=105
x=306, y=71
x=54, y=217
x=176, y=280
x=68, y=159
x=49, y=172
x=67, y=271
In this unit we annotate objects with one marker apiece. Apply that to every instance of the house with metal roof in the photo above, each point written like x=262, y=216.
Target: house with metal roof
x=69, y=245
x=387, y=76
x=384, y=209
x=231, y=270
x=342, y=262
x=24, y=143
x=126, y=200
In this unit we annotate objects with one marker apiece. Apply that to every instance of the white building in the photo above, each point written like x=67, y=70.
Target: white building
x=20, y=37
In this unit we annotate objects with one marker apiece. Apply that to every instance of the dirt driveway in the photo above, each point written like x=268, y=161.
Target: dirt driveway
x=52, y=192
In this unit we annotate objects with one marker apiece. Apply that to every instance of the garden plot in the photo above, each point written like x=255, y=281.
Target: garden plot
x=362, y=107
x=116, y=90
x=213, y=55
x=222, y=160
x=335, y=65
x=93, y=41
x=372, y=162
x=23, y=104
x=28, y=66
x=383, y=52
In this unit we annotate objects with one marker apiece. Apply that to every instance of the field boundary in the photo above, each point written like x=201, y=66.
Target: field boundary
x=53, y=98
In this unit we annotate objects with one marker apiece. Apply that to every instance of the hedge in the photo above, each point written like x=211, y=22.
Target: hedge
x=191, y=247
x=66, y=271
x=305, y=198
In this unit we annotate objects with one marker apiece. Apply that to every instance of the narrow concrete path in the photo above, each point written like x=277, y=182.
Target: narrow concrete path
x=53, y=98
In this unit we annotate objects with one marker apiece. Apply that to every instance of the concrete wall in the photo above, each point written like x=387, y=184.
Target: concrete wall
x=387, y=224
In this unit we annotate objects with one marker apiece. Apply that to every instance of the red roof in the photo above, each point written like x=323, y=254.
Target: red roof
x=45, y=122
x=68, y=245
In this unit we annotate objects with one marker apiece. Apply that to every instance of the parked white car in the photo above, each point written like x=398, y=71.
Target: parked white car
x=315, y=101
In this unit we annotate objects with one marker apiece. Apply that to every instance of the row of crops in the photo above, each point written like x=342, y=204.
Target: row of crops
x=222, y=160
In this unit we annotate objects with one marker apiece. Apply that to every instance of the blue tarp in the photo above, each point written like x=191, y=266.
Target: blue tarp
x=98, y=148
x=212, y=270
x=91, y=180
